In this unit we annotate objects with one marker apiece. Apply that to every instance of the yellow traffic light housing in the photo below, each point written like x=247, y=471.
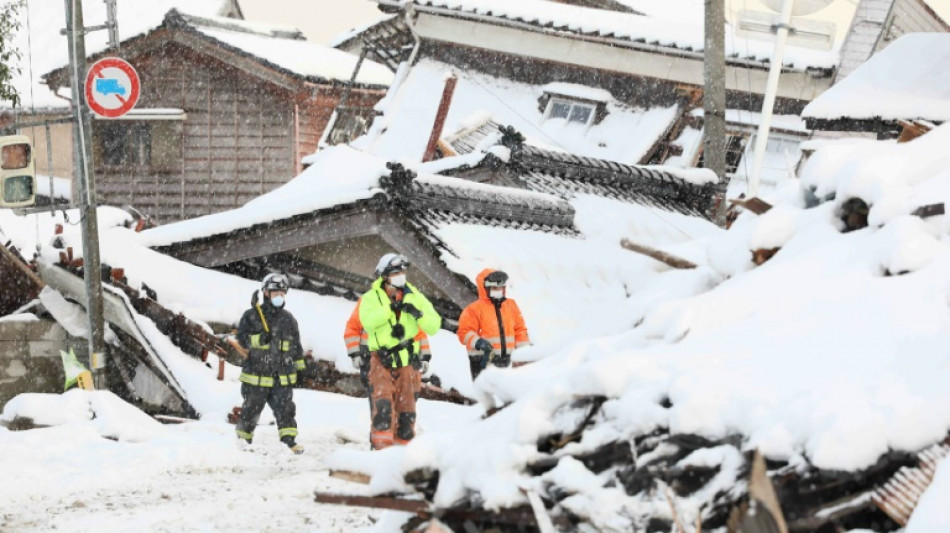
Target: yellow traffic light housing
x=17, y=172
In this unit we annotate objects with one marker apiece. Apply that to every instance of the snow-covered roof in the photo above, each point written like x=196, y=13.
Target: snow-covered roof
x=907, y=80
x=287, y=50
x=44, y=49
x=665, y=32
x=625, y=135
x=460, y=219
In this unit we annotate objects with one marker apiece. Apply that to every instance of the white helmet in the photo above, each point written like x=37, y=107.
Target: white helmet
x=275, y=281
x=390, y=263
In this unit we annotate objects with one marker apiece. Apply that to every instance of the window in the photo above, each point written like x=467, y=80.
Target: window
x=571, y=111
x=346, y=128
x=155, y=144
x=735, y=148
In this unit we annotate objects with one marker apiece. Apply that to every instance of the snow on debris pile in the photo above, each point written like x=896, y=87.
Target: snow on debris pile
x=43, y=49
x=674, y=32
x=832, y=369
x=906, y=80
x=107, y=413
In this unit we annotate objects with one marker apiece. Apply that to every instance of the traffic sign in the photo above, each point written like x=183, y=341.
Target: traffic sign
x=112, y=87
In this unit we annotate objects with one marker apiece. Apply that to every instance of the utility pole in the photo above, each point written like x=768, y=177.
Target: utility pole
x=82, y=155
x=714, y=97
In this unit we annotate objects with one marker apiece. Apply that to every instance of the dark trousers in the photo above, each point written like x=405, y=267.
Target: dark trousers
x=281, y=401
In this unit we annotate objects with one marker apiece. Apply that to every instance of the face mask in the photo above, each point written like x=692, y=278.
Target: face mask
x=277, y=301
x=398, y=280
x=496, y=294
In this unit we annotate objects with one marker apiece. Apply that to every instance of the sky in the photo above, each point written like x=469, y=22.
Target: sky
x=310, y=15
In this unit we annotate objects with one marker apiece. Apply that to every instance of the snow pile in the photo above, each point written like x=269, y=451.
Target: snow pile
x=816, y=358
x=111, y=417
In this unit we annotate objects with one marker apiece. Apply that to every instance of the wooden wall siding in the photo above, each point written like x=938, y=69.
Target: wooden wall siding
x=909, y=16
x=238, y=139
x=315, y=114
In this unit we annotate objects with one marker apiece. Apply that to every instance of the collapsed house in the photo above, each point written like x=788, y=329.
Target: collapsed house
x=329, y=226
x=656, y=429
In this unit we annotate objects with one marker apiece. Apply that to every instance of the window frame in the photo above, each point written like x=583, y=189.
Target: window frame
x=572, y=104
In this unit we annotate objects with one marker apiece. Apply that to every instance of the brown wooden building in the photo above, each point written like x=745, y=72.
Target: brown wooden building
x=227, y=111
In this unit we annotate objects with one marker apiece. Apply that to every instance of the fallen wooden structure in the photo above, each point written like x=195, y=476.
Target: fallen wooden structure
x=653, y=467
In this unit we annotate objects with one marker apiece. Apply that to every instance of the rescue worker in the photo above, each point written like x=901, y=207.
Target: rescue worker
x=272, y=338
x=356, y=338
x=393, y=312
x=492, y=327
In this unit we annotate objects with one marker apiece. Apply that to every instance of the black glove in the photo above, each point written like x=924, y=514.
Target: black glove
x=399, y=331
x=396, y=307
x=484, y=346
x=412, y=310
x=264, y=338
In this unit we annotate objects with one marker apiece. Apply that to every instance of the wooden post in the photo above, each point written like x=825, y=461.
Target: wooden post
x=440, y=118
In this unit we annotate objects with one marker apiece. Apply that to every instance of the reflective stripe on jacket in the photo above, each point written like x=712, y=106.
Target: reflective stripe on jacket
x=378, y=318
x=480, y=320
x=282, y=356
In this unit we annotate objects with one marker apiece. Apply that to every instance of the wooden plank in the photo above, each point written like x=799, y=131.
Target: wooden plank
x=419, y=507
x=347, y=475
x=664, y=257
x=755, y=205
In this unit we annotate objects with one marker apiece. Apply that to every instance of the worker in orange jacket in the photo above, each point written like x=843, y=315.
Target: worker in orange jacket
x=491, y=328
x=356, y=337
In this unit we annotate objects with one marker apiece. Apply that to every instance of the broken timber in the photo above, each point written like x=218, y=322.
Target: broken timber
x=756, y=205
x=663, y=257
x=898, y=497
x=516, y=516
x=348, y=475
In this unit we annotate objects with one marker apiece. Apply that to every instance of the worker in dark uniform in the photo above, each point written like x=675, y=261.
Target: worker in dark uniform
x=271, y=335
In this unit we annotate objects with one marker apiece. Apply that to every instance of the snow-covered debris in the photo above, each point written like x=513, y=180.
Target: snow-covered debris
x=112, y=418
x=817, y=358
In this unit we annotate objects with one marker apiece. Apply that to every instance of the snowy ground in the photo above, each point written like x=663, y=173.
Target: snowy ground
x=122, y=471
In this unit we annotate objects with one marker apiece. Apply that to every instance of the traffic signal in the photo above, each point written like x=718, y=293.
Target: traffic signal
x=17, y=172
